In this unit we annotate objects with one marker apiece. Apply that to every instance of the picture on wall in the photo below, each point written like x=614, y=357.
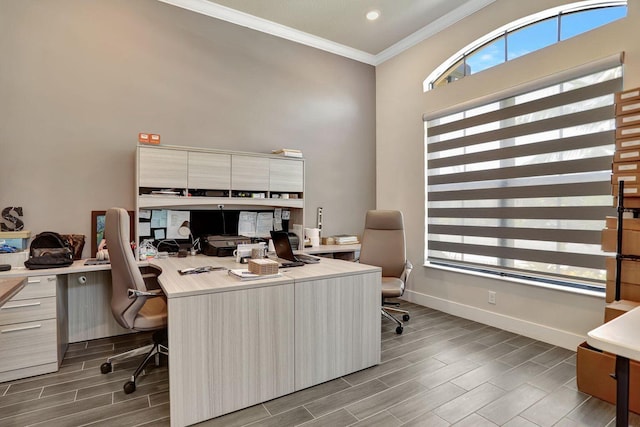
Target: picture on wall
x=97, y=229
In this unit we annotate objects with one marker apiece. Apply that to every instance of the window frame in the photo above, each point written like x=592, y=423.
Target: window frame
x=439, y=76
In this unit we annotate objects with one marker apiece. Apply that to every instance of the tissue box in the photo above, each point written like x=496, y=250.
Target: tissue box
x=15, y=259
x=263, y=266
x=16, y=239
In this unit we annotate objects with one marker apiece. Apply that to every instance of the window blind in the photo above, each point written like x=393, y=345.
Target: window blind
x=521, y=185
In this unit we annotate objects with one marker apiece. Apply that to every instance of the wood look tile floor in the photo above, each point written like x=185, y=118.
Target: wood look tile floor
x=444, y=370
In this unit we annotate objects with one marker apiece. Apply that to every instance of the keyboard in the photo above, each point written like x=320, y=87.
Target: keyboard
x=286, y=264
x=307, y=259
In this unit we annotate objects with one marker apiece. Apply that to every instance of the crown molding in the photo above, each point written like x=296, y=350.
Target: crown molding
x=435, y=27
x=243, y=19
x=224, y=13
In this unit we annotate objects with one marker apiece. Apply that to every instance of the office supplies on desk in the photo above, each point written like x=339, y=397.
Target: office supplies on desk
x=247, y=275
x=283, y=250
x=95, y=261
x=197, y=270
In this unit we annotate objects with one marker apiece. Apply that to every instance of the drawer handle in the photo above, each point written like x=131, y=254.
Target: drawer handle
x=24, y=328
x=33, y=304
x=33, y=280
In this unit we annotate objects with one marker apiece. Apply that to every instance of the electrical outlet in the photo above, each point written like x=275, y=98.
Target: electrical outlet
x=492, y=297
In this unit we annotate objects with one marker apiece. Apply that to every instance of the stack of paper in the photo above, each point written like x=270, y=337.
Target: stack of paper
x=244, y=274
x=345, y=239
x=288, y=152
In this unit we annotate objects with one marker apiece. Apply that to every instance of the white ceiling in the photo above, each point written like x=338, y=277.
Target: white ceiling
x=340, y=26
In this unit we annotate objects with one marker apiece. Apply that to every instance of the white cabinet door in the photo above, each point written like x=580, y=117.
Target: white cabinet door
x=337, y=327
x=162, y=168
x=232, y=350
x=209, y=171
x=249, y=173
x=89, y=309
x=286, y=175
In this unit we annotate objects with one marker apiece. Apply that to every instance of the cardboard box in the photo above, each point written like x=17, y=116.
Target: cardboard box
x=629, y=280
x=627, y=143
x=629, y=202
x=630, y=191
x=627, y=223
x=628, y=131
x=632, y=155
x=628, y=119
x=618, y=308
x=263, y=266
x=593, y=371
x=627, y=177
x=630, y=106
x=630, y=241
x=627, y=95
x=622, y=167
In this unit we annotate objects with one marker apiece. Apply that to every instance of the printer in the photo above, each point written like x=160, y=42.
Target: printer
x=221, y=245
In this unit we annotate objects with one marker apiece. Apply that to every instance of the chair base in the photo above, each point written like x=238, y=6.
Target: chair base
x=392, y=306
x=153, y=351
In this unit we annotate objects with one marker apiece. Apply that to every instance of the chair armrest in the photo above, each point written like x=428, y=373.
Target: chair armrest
x=407, y=271
x=135, y=293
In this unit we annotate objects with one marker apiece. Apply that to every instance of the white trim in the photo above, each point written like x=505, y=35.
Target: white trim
x=557, y=337
x=435, y=27
x=512, y=26
x=224, y=13
x=245, y=20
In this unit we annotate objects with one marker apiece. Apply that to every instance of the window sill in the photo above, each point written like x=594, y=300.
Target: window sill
x=539, y=284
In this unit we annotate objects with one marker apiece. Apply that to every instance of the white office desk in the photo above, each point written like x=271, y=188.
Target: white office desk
x=234, y=343
x=620, y=337
x=10, y=287
x=346, y=252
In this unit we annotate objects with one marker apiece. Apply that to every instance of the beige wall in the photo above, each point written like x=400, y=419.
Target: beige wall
x=80, y=78
x=555, y=316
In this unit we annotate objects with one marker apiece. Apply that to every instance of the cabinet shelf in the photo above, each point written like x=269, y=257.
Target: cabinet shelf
x=182, y=202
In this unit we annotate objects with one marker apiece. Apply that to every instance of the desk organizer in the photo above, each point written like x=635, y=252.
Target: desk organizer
x=263, y=266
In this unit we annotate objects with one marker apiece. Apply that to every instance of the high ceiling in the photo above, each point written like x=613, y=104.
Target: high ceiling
x=341, y=25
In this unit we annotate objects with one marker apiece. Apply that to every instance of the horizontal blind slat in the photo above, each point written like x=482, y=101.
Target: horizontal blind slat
x=554, y=213
x=524, y=192
x=575, y=236
x=554, y=123
x=552, y=146
x=574, y=259
x=563, y=98
x=539, y=169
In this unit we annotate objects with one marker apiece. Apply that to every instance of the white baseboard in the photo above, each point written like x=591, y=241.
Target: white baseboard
x=557, y=337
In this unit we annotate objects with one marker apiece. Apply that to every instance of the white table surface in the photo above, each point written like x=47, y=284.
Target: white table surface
x=620, y=336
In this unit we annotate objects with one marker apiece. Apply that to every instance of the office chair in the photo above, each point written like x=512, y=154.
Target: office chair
x=137, y=302
x=383, y=245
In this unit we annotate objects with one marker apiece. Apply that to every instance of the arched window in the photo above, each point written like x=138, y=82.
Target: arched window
x=524, y=36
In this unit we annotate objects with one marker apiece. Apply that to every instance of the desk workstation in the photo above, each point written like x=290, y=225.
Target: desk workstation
x=233, y=343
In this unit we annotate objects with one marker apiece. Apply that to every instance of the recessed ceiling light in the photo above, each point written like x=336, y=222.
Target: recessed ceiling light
x=373, y=15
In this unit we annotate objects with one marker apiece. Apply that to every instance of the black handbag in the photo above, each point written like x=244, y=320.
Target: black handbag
x=49, y=250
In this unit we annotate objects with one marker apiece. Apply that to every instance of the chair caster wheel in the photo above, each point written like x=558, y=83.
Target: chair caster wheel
x=406, y=318
x=106, y=367
x=399, y=330
x=129, y=387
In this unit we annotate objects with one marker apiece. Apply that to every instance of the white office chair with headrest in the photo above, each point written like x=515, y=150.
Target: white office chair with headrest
x=383, y=245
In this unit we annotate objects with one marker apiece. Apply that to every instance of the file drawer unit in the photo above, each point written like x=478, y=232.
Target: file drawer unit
x=31, y=343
